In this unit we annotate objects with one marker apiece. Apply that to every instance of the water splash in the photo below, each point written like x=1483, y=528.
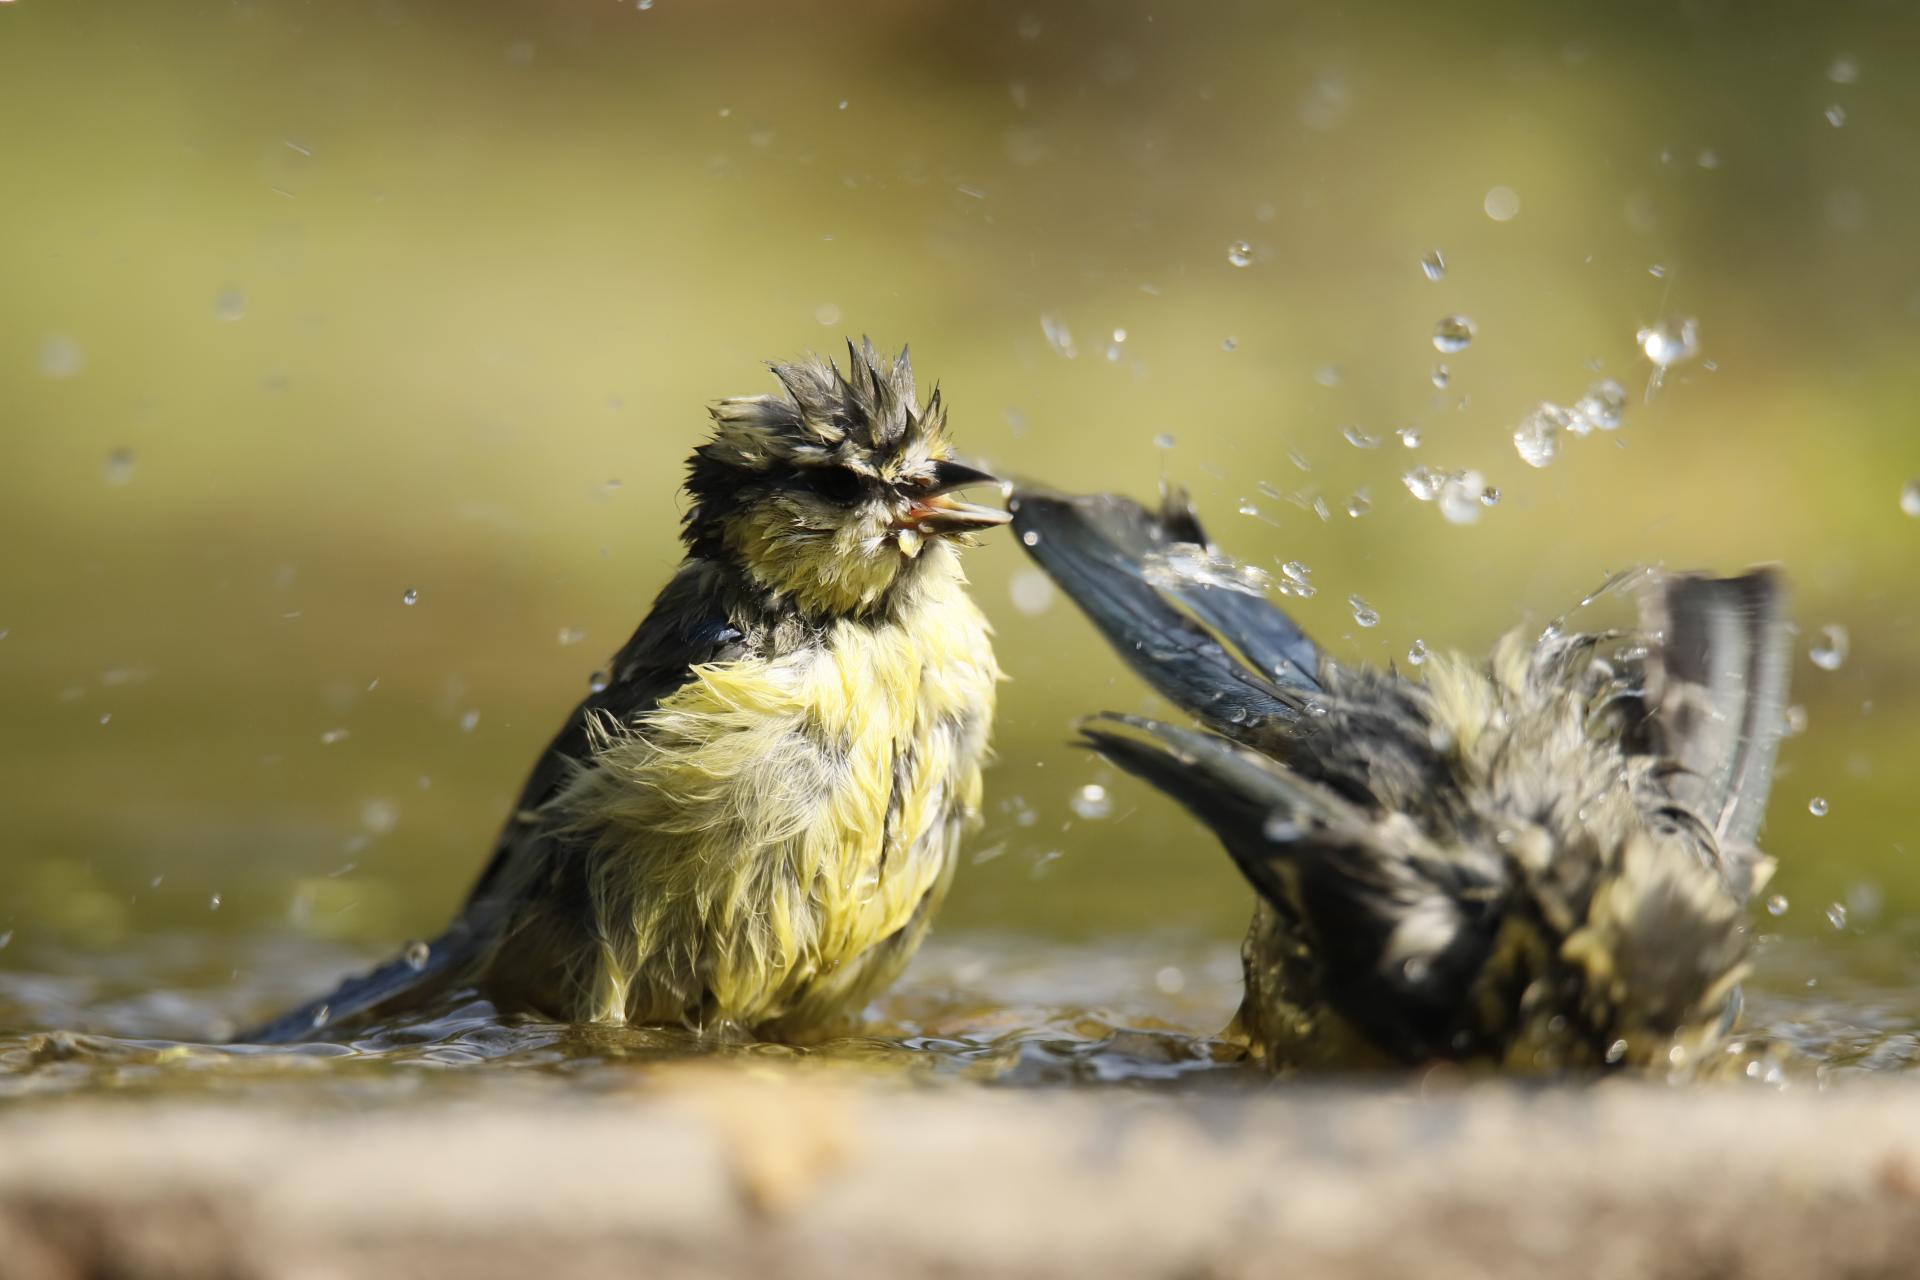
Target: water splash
x=1183, y=565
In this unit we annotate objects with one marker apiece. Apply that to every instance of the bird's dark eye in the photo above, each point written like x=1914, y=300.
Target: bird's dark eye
x=835, y=484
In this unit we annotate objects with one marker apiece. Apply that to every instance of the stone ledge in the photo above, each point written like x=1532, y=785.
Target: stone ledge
x=722, y=1173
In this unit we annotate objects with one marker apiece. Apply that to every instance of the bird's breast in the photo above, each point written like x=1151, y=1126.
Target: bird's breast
x=777, y=831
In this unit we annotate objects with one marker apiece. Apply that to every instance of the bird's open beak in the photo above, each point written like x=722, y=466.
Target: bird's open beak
x=934, y=512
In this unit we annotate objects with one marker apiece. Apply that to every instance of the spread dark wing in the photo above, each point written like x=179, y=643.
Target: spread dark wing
x=1097, y=547
x=687, y=625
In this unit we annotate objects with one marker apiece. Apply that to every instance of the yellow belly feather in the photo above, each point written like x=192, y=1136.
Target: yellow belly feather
x=768, y=845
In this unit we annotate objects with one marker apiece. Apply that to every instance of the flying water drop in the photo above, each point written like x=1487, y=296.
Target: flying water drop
x=1670, y=342
x=1829, y=650
x=1453, y=333
x=1091, y=802
x=1537, y=438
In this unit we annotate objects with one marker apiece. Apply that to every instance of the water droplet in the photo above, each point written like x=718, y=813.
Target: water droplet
x=1836, y=115
x=1435, y=265
x=417, y=954
x=410, y=596
x=1091, y=802
x=1796, y=720
x=1409, y=437
x=826, y=314
x=571, y=635
x=61, y=357
x=1188, y=564
x=6, y=936
x=470, y=721
x=1229, y=344
x=1670, y=342
x=1777, y=905
x=1359, y=504
x=1031, y=538
x=1829, y=651
x=1442, y=375
x=1240, y=253
x=1537, y=438
x=1708, y=158
x=332, y=736
x=322, y=1015
x=1032, y=592
x=1910, y=499
x=599, y=680
x=1283, y=826
x=1453, y=333
x=1363, y=613
x=1490, y=497
x=1603, y=406
x=1616, y=1052
x=119, y=468
x=1165, y=440
x=230, y=306
x=1837, y=914
x=1460, y=497
x=1170, y=981
x=1843, y=70
x=1417, y=653
x=1502, y=203
x=1360, y=439
x=1658, y=271
x=213, y=903
x=1423, y=482
x=1059, y=337
x=1297, y=580
x=1817, y=806
x=1329, y=375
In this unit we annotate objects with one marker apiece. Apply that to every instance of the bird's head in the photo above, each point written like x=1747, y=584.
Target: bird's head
x=836, y=492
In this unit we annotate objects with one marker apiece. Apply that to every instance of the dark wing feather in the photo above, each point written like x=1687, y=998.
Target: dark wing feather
x=1719, y=692
x=1093, y=547
x=1272, y=641
x=686, y=627
x=1397, y=932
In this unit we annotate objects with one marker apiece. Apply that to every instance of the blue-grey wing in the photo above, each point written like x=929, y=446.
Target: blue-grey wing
x=687, y=626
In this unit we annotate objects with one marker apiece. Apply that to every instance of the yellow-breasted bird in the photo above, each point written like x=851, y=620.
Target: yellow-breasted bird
x=753, y=822
x=1539, y=861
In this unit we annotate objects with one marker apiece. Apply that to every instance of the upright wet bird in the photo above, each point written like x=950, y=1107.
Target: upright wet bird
x=1538, y=862
x=751, y=825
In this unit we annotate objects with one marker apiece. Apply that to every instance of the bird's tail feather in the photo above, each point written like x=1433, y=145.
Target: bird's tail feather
x=416, y=974
x=1096, y=549
x=1720, y=699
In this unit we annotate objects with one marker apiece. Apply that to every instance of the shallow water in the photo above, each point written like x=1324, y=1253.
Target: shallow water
x=1000, y=1011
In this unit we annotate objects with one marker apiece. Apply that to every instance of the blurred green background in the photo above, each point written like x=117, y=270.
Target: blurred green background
x=309, y=306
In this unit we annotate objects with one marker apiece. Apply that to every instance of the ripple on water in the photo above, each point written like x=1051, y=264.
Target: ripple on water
x=1007, y=1011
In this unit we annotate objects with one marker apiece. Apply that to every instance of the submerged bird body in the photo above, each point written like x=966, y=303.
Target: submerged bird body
x=1538, y=861
x=752, y=823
